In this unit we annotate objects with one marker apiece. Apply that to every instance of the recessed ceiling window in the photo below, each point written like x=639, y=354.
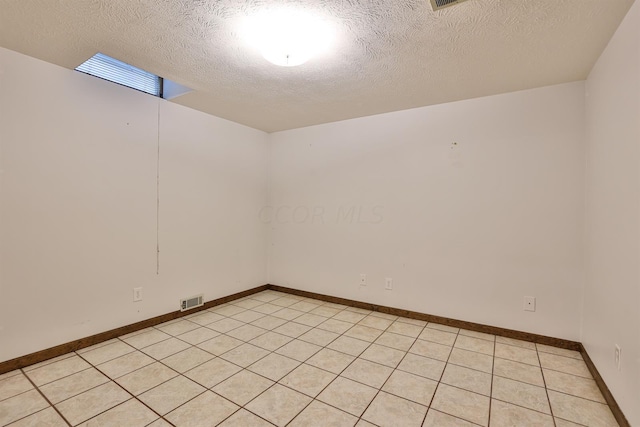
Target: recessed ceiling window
x=111, y=69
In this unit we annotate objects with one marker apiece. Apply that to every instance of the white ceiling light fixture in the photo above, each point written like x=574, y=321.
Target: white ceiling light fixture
x=288, y=37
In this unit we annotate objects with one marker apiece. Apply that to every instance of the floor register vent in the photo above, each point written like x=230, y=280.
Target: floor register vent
x=193, y=302
x=441, y=4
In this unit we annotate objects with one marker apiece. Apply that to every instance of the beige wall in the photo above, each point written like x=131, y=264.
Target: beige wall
x=78, y=173
x=612, y=289
x=468, y=206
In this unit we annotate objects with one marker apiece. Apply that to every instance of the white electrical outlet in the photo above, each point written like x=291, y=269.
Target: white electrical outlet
x=363, y=280
x=388, y=283
x=529, y=303
x=137, y=294
x=617, y=355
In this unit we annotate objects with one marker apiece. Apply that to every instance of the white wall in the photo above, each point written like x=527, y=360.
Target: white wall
x=78, y=173
x=612, y=290
x=465, y=231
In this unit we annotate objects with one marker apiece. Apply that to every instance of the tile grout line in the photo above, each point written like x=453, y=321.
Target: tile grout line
x=493, y=367
x=546, y=390
x=45, y=398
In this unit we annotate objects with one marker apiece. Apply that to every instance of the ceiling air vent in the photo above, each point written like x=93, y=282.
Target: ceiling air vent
x=441, y=4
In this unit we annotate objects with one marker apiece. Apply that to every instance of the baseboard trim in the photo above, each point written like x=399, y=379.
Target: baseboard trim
x=606, y=393
x=478, y=327
x=59, y=350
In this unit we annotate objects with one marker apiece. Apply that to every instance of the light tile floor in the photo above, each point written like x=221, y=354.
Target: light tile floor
x=277, y=359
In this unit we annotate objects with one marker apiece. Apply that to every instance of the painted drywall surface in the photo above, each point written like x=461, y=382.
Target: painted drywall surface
x=468, y=206
x=612, y=290
x=78, y=162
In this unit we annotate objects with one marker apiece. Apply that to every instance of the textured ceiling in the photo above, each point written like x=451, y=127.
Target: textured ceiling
x=388, y=54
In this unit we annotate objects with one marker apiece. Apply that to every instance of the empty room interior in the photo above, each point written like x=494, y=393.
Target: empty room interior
x=320, y=213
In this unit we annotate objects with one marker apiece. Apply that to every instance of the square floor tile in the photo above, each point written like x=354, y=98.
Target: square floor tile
x=178, y=327
x=187, y=359
x=518, y=371
x=93, y=402
x=475, y=334
x=411, y=387
x=474, y=344
x=204, y=318
x=292, y=329
x=220, y=344
x=248, y=316
x=467, y=379
x=383, y=355
x=318, y=414
x=580, y=410
x=245, y=355
x=131, y=413
x=330, y=360
x=309, y=319
x=126, y=364
x=271, y=341
x=522, y=394
x=318, y=337
x=375, y=322
x=308, y=379
x=56, y=370
x=227, y=310
x=20, y=406
x=107, y=352
x=348, y=345
x=145, y=378
x=363, y=333
x=463, y=404
x=269, y=322
x=517, y=354
x=438, y=336
x=350, y=396
x=246, y=332
x=207, y=409
x=247, y=303
x=169, y=395
x=564, y=364
x=574, y=385
x=14, y=385
x=212, y=372
x=389, y=410
x=423, y=366
x=67, y=387
x=471, y=359
x=287, y=314
x=225, y=325
x=441, y=327
x=242, y=387
x=349, y=316
x=508, y=415
x=299, y=350
x=439, y=419
x=279, y=404
x=244, y=418
x=305, y=306
x=369, y=373
x=165, y=348
x=334, y=325
x=399, y=342
x=403, y=328
x=325, y=311
x=516, y=343
x=147, y=338
x=274, y=366
x=46, y=417
x=431, y=349
x=559, y=351
x=199, y=335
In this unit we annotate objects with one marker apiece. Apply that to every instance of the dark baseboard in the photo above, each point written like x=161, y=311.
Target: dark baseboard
x=606, y=393
x=59, y=350
x=478, y=327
